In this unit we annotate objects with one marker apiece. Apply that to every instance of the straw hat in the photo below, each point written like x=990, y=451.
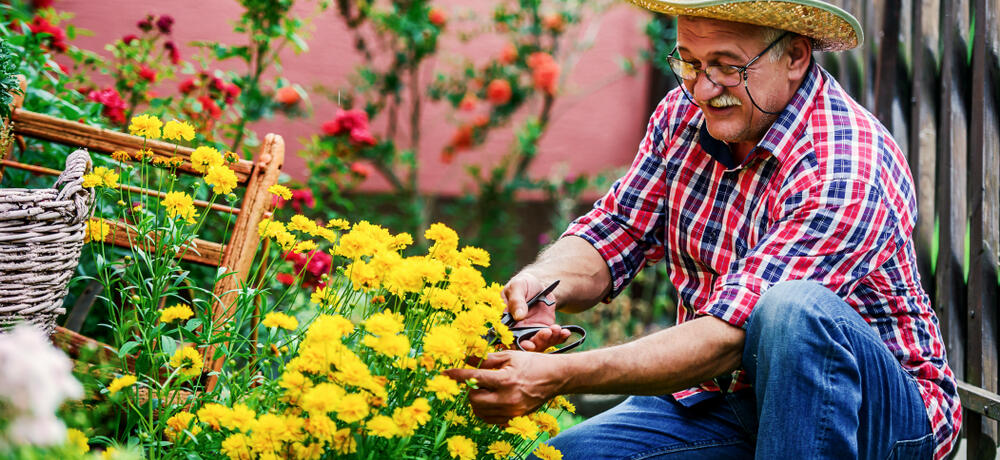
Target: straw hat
x=830, y=28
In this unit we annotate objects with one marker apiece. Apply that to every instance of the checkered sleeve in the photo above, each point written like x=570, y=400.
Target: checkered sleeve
x=834, y=232
x=626, y=225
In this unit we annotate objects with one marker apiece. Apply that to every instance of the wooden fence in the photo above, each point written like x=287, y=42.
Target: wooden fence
x=929, y=71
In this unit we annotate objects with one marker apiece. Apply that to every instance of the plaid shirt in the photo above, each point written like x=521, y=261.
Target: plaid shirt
x=825, y=196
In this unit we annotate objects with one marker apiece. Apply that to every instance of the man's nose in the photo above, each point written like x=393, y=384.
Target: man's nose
x=704, y=89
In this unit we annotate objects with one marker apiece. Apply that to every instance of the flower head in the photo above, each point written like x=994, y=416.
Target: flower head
x=121, y=383
x=500, y=450
x=188, y=361
x=97, y=230
x=179, y=204
x=203, y=158
x=276, y=319
x=221, y=178
x=523, y=427
x=443, y=387
x=145, y=125
x=178, y=130
x=280, y=191
x=176, y=312
x=78, y=440
x=462, y=448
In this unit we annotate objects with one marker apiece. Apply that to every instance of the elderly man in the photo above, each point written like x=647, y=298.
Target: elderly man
x=784, y=211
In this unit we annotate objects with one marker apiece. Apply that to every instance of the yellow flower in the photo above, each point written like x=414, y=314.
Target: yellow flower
x=344, y=442
x=354, y=245
x=563, y=403
x=384, y=323
x=363, y=275
x=121, y=383
x=97, y=230
x=146, y=126
x=546, y=422
x=442, y=235
x=443, y=343
x=441, y=299
x=78, y=440
x=476, y=256
x=179, y=311
x=92, y=180
x=462, y=448
x=179, y=204
x=188, y=361
x=221, y=178
x=339, y=224
x=276, y=319
x=213, y=414
x=420, y=410
x=120, y=155
x=327, y=328
x=237, y=447
x=143, y=155
x=352, y=408
x=304, y=247
x=303, y=224
x=205, y=157
x=239, y=418
x=232, y=157
x=268, y=228
x=500, y=449
x=321, y=427
x=523, y=427
x=109, y=453
x=547, y=452
x=280, y=190
x=389, y=345
x=443, y=387
x=322, y=399
x=295, y=385
x=401, y=241
x=454, y=419
x=177, y=424
x=466, y=282
x=176, y=130
x=269, y=433
x=101, y=177
x=382, y=426
x=311, y=451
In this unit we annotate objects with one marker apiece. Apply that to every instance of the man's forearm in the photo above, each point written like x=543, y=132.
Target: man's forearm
x=584, y=276
x=667, y=361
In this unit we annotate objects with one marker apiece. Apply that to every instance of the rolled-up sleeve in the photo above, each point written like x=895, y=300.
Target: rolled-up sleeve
x=835, y=232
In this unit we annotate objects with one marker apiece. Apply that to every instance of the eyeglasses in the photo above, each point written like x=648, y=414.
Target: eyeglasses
x=722, y=75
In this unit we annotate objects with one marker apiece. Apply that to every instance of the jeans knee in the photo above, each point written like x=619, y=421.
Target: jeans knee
x=786, y=311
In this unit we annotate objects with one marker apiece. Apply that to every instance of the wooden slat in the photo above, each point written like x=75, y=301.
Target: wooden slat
x=979, y=400
x=982, y=287
x=44, y=127
x=201, y=251
x=922, y=131
x=887, y=78
x=142, y=191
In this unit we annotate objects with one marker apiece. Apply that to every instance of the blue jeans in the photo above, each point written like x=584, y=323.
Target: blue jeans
x=824, y=386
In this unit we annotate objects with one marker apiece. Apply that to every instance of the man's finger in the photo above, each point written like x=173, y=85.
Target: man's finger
x=495, y=360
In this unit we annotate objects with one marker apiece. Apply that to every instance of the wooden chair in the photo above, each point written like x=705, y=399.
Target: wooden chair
x=236, y=255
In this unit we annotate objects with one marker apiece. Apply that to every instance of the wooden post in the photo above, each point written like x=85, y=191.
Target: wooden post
x=982, y=188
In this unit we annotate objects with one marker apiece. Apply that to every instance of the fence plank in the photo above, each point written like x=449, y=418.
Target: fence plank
x=922, y=132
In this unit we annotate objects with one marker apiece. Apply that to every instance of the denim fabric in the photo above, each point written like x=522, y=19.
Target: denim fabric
x=824, y=386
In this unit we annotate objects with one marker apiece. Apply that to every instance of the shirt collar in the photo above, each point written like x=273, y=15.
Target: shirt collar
x=780, y=136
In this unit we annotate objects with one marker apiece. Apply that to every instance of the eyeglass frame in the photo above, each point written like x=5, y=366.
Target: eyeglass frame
x=742, y=70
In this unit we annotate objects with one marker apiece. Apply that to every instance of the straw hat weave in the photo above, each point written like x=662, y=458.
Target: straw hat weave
x=830, y=28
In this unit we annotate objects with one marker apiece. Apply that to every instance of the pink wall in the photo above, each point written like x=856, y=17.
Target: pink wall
x=596, y=124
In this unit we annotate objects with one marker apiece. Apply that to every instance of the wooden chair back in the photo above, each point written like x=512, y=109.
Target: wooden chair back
x=236, y=254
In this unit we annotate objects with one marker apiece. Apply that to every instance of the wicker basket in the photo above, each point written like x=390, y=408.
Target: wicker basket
x=41, y=235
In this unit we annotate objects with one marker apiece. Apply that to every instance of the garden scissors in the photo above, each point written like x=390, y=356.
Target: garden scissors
x=527, y=332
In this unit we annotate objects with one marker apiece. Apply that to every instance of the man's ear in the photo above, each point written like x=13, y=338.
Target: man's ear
x=800, y=54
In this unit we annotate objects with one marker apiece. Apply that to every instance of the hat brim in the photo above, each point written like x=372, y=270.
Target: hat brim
x=830, y=28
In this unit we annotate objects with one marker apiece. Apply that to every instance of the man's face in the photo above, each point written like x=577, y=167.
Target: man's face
x=729, y=114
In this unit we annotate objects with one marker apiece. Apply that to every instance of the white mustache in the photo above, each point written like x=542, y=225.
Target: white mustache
x=724, y=100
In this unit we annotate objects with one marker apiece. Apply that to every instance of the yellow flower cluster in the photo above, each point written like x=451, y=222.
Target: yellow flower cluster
x=221, y=178
x=78, y=441
x=175, y=130
x=280, y=191
x=203, y=158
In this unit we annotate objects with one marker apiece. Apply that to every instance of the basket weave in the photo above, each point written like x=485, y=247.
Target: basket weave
x=41, y=235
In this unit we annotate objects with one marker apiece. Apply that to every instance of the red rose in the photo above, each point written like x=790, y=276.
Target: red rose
x=285, y=278
x=361, y=169
x=147, y=74
x=468, y=103
x=209, y=107
x=175, y=54
x=302, y=198
x=319, y=263
x=437, y=17
x=188, y=85
x=232, y=92
x=57, y=39
x=114, y=106
x=353, y=122
x=165, y=23
x=498, y=92
x=362, y=136
x=128, y=39
x=553, y=22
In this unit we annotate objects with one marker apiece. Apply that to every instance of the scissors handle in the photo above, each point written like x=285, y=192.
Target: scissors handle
x=527, y=332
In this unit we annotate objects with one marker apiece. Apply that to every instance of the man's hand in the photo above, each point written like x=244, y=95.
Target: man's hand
x=510, y=384
x=518, y=290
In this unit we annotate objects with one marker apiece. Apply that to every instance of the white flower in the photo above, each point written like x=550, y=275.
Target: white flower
x=36, y=378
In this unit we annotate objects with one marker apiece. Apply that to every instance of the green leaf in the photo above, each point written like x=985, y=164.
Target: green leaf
x=127, y=347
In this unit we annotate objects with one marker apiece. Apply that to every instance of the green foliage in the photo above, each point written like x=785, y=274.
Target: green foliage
x=9, y=86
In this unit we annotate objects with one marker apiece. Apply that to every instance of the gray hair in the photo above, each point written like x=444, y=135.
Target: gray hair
x=770, y=34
